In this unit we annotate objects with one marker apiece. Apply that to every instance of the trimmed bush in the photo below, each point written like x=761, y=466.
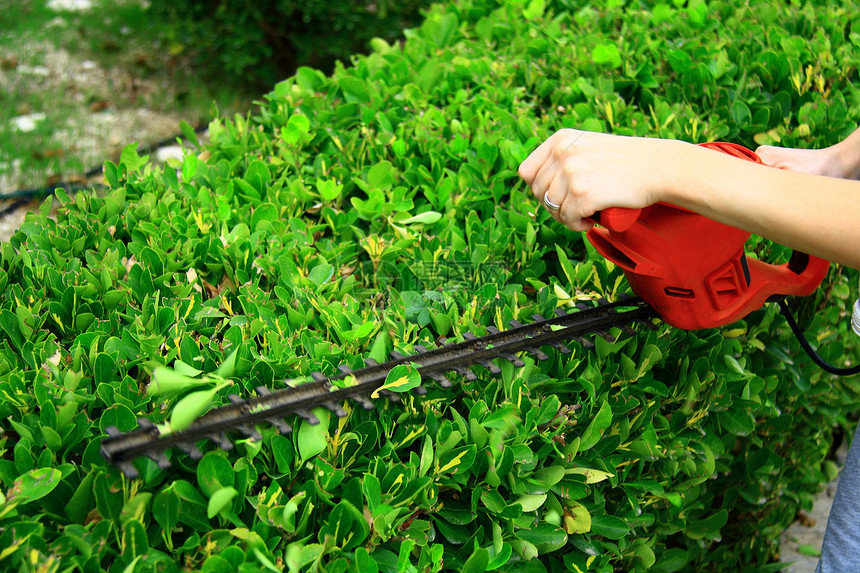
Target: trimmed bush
x=379, y=208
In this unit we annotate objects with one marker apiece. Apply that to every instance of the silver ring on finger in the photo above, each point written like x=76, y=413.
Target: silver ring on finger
x=549, y=204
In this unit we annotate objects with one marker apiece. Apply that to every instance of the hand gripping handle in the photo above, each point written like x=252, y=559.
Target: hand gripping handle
x=692, y=269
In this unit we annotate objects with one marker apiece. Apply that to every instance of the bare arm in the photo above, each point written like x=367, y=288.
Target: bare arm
x=585, y=172
x=812, y=213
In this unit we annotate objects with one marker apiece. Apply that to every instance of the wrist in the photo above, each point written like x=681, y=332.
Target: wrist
x=844, y=159
x=678, y=173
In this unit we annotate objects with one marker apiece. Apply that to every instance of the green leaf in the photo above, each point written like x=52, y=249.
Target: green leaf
x=477, y=562
x=381, y=175
x=577, y=519
x=741, y=114
x=297, y=129
x=189, y=133
x=220, y=500
x=531, y=502
x=328, y=189
x=82, y=501
x=33, y=485
x=708, y=527
x=596, y=427
x=284, y=454
x=346, y=526
x=190, y=408
x=426, y=218
x=214, y=472
x=321, y=274
x=458, y=460
x=534, y=10
x=672, y=560
x=609, y=526
x=166, y=381
x=134, y=540
x=132, y=161
x=228, y=367
x=381, y=346
x=401, y=378
x=165, y=509
x=312, y=438
x=606, y=54
x=591, y=475
x=545, y=536
x=737, y=422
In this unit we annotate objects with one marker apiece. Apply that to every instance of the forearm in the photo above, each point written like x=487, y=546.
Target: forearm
x=814, y=214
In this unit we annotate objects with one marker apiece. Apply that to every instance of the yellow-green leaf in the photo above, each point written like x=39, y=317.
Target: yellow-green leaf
x=401, y=378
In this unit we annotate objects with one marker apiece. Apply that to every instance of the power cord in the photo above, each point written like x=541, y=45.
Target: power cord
x=798, y=333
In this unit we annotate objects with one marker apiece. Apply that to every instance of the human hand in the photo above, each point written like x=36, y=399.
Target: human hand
x=577, y=173
x=826, y=161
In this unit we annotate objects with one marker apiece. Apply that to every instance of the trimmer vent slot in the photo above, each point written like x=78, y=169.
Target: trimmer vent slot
x=679, y=292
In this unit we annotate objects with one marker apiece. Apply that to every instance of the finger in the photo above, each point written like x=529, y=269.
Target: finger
x=556, y=193
x=529, y=168
x=544, y=180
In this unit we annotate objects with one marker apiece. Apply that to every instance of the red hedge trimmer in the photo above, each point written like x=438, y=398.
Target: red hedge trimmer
x=690, y=271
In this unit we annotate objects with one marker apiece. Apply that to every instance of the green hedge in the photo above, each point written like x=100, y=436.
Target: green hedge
x=257, y=43
x=380, y=207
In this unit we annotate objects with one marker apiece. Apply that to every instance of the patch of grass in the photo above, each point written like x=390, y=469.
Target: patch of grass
x=96, y=80
x=20, y=18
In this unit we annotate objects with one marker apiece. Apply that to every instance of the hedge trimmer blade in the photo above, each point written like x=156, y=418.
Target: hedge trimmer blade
x=271, y=407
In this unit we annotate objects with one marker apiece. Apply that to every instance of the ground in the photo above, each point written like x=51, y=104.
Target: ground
x=80, y=79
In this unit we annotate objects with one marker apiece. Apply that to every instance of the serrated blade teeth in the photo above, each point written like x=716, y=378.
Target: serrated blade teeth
x=336, y=409
x=470, y=376
x=221, y=441
x=281, y=425
x=318, y=376
x=395, y=355
x=493, y=330
x=560, y=312
x=537, y=353
x=363, y=402
x=235, y=399
x=420, y=390
x=251, y=432
x=146, y=424
x=344, y=369
x=441, y=379
x=191, y=449
x=565, y=350
x=538, y=318
x=420, y=349
x=392, y=396
x=371, y=362
x=113, y=432
x=309, y=416
x=515, y=323
x=263, y=391
x=513, y=359
x=160, y=459
x=491, y=366
x=128, y=470
x=469, y=336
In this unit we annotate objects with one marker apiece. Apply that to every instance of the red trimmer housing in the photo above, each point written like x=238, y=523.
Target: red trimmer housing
x=693, y=270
